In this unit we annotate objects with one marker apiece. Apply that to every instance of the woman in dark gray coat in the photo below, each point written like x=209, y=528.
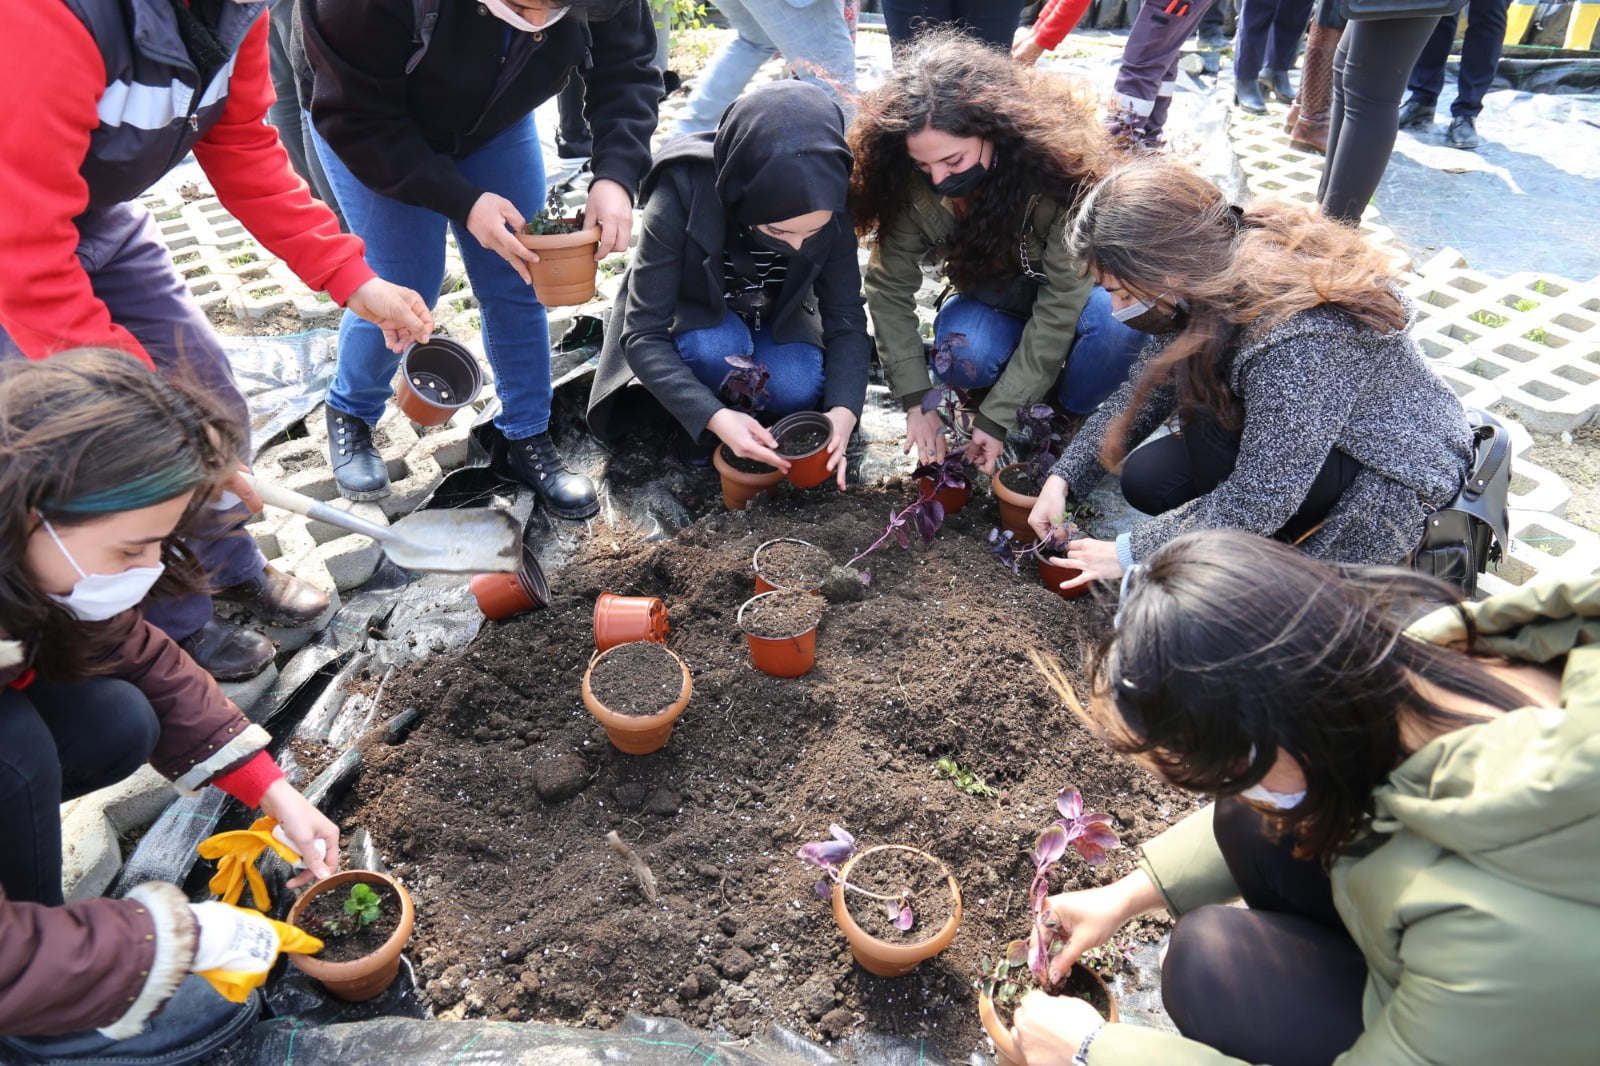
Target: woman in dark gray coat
x=743, y=300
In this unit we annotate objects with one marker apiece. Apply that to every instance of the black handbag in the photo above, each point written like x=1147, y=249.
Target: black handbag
x=1375, y=10
x=1461, y=539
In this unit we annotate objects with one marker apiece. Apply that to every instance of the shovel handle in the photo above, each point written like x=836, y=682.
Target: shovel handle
x=300, y=504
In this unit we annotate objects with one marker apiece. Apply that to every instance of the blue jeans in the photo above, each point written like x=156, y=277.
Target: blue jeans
x=796, y=368
x=1102, y=349
x=405, y=245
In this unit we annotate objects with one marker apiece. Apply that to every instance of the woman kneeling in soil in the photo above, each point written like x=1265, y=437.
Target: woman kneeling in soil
x=966, y=159
x=103, y=465
x=745, y=251
x=1413, y=818
x=1305, y=409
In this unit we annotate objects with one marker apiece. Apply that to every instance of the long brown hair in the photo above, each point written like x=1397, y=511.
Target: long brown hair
x=1161, y=228
x=1045, y=134
x=83, y=435
x=1228, y=646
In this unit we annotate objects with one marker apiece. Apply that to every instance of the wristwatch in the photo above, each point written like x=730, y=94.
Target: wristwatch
x=1082, y=1057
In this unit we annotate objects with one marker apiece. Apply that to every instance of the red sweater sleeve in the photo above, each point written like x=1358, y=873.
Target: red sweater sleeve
x=1059, y=18
x=51, y=77
x=250, y=170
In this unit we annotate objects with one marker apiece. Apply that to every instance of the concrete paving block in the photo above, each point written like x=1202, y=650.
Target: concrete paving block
x=91, y=826
x=1567, y=548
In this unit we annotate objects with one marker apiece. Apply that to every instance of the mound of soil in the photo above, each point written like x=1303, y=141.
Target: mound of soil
x=523, y=912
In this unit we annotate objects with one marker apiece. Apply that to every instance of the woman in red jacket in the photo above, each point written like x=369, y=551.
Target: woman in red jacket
x=90, y=691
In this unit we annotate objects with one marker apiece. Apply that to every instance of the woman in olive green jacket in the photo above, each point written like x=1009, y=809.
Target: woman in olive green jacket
x=972, y=164
x=1435, y=897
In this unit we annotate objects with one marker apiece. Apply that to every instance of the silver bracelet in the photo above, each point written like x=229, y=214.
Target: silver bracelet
x=1082, y=1057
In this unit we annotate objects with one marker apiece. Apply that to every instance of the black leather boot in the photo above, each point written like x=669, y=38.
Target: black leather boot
x=1247, y=94
x=1276, y=83
x=358, y=469
x=536, y=463
x=228, y=652
x=1416, y=114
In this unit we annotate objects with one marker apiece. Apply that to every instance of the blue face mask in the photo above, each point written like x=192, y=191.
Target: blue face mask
x=97, y=597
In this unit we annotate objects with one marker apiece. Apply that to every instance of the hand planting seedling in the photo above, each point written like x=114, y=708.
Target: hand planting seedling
x=745, y=386
x=829, y=856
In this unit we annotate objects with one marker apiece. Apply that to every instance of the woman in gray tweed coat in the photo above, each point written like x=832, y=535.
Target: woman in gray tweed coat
x=1304, y=409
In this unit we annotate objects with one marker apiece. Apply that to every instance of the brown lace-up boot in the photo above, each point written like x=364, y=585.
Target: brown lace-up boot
x=1308, y=118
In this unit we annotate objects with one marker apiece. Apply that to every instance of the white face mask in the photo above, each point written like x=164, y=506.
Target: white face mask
x=502, y=11
x=1282, y=800
x=97, y=597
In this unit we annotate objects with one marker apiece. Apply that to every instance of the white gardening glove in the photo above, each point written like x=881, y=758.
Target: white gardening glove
x=235, y=947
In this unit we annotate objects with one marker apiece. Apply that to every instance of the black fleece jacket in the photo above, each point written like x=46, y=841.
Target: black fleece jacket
x=400, y=130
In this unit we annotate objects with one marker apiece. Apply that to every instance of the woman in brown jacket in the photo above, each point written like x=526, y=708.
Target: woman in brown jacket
x=102, y=465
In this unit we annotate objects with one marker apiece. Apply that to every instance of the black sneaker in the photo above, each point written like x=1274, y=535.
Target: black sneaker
x=358, y=469
x=536, y=463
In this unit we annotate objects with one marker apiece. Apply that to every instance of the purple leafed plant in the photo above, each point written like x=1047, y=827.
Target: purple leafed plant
x=745, y=386
x=829, y=856
x=1050, y=431
x=925, y=514
x=944, y=359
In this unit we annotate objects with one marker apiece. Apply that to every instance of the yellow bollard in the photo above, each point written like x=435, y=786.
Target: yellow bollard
x=1519, y=16
x=1580, y=25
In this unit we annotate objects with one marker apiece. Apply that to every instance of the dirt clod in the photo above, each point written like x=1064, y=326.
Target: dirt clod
x=560, y=778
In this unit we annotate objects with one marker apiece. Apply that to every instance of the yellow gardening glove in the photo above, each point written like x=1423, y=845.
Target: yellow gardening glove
x=236, y=854
x=236, y=947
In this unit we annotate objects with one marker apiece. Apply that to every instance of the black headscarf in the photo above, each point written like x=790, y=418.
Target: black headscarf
x=780, y=153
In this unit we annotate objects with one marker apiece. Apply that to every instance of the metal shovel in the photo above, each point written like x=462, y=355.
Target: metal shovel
x=468, y=540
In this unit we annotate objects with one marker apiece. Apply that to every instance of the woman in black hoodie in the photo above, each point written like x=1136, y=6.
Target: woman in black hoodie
x=743, y=300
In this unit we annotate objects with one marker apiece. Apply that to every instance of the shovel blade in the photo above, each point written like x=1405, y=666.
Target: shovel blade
x=470, y=540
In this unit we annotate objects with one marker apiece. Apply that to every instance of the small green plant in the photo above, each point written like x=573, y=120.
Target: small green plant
x=965, y=779
x=363, y=904
x=680, y=14
x=1537, y=335
x=1522, y=303
x=552, y=219
x=1541, y=287
x=1488, y=318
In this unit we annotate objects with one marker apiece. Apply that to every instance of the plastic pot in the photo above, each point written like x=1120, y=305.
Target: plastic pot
x=365, y=978
x=952, y=497
x=738, y=486
x=762, y=584
x=1052, y=576
x=437, y=379
x=565, y=272
x=882, y=957
x=1014, y=507
x=637, y=734
x=809, y=469
x=623, y=619
x=788, y=656
x=503, y=595
x=1007, y=1053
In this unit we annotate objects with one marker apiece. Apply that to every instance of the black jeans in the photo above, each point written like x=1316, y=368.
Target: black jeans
x=994, y=22
x=1172, y=470
x=1281, y=982
x=58, y=741
x=1480, y=55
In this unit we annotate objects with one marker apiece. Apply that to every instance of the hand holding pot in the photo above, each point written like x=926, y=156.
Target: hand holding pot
x=401, y=314
x=1096, y=559
x=844, y=420
x=1049, y=507
x=1050, y=1029
x=489, y=220
x=746, y=438
x=611, y=208
x=1089, y=918
x=304, y=826
x=984, y=451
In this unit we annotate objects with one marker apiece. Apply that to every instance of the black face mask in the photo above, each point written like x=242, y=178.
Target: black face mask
x=961, y=183
x=755, y=240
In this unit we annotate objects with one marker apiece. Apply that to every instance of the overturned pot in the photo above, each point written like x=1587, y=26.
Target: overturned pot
x=636, y=691
x=623, y=619
x=565, y=272
x=742, y=478
x=500, y=596
x=437, y=379
x=781, y=628
x=881, y=956
x=803, y=440
x=360, y=979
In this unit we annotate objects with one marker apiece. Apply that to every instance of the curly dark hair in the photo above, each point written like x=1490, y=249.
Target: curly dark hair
x=1046, y=139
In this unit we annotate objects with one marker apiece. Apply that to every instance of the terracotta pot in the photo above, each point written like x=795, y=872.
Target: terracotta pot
x=738, y=487
x=781, y=656
x=637, y=734
x=952, y=497
x=1052, y=576
x=809, y=469
x=623, y=619
x=364, y=978
x=1005, y=1038
x=1014, y=507
x=762, y=584
x=565, y=272
x=503, y=595
x=437, y=379
x=880, y=956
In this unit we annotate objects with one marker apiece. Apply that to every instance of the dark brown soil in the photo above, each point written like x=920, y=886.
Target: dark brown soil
x=1017, y=479
x=1081, y=983
x=637, y=679
x=524, y=912
x=802, y=441
x=791, y=564
x=786, y=613
x=346, y=947
x=740, y=463
x=894, y=873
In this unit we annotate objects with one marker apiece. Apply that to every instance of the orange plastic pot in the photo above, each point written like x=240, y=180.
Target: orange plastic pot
x=637, y=734
x=565, y=272
x=1052, y=576
x=952, y=497
x=1007, y=1053
x=503, y=595
x=738, y=486
x=788, y=656
x=365, y=978
x=762, y=584
x=437, y=379
x=1014, y=507
x=882, y=957
x=809, y=469
x=623, y=619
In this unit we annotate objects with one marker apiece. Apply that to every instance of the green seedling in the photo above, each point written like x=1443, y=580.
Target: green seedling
x=363, y=905
x=1488, y=318
x=965, y=779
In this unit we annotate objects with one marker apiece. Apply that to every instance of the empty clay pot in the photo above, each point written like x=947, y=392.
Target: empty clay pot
x=637, y=734
x=808, y=469
x=437, y=379
x=1052, y=576
x=503, y=595
x=740, y=486
x=882, y=957
x=620, y=619
x=1014, y=507
x=565, y=272
x=365, y=978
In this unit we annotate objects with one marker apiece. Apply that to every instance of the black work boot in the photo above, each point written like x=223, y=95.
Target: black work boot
x=228, y=652
x=1247, y=94
x=358, y=469
x=536, y=463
